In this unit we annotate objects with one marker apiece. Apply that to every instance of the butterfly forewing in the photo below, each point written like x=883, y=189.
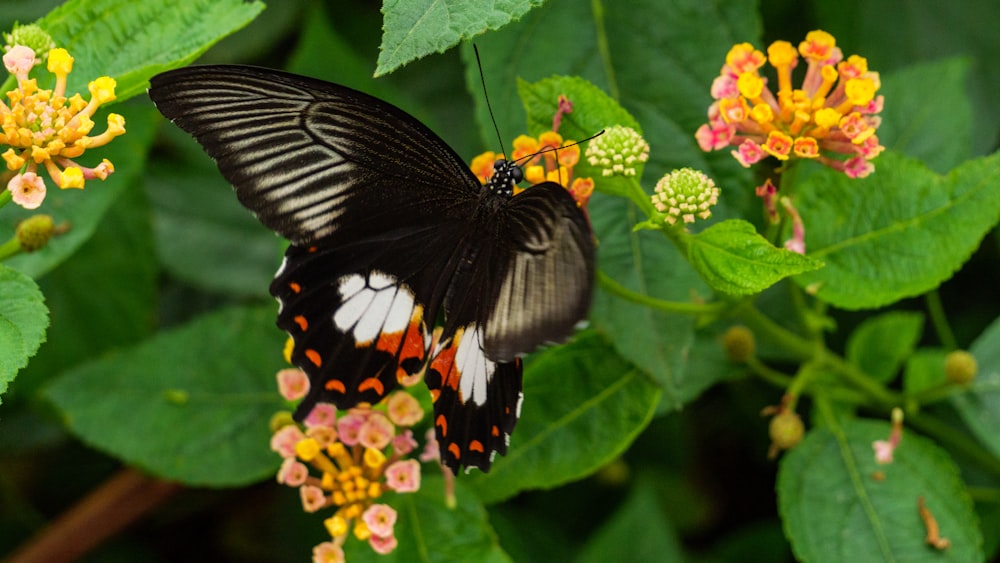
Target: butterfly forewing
x=309, y=157
x=391, y=232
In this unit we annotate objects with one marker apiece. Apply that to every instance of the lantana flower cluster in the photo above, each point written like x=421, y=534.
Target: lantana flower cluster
x=831, y=117
x=619, y=151
x=45, y=128
x=547, y=158
x=346, y=462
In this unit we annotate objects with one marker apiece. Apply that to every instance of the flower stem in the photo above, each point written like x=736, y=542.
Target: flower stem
x=615, y=288
x=5, y=197
x=10, y=248
x=939, y=320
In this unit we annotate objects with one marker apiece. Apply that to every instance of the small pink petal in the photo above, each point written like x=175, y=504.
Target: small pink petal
x=382, y=545
x=380, y=519
x=293, y=384
x=284, y=440
x=313, y=498
x=292, y=473
x=403, y=476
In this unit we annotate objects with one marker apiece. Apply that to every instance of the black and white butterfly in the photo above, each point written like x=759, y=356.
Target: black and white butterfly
x=392, y=234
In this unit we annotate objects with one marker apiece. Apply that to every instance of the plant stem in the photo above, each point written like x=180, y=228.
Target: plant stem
x=10, y=248
x=939, y=320
x=615, y=288
x=954, y=439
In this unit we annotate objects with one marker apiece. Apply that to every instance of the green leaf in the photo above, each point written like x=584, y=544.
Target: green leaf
x=881, y=344
x=638, y=531
x=583, y=405
x=190, y=405
x=941, y=139
x=131, y=41
x=835, y=510
x=924, y=370
x=897, y=233
x=417, y=28
x=645, y=262
x=980, y=405
x=430, y=531
x=23, y=320
x=204, y=236
x=733, y=258
x=83, y=210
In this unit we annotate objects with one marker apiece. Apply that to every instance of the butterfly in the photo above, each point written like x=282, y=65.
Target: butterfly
x=391, y=236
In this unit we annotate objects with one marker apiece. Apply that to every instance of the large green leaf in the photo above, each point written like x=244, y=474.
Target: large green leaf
x=190, y=405
x=23, y=320
x=940, y=139
x=429, y=531
x=835, y=509
x=980, y=405
x=131, y=41
x=583, y=405
x=416, y=28
x=897, y=233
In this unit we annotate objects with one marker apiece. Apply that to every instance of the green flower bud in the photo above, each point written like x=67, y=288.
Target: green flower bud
x=31, y=36
x=618, y=151
x=739, y=344
x=684, y=194
x=960, y=367
x=34, y=232
x=786, y=430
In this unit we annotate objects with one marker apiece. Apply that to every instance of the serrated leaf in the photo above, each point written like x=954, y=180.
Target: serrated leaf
x=733, y=258
x=835, y=510
x=416, y=28
x=583, y=405
x=82, y=210
x=23, y=320
x=191, y=405
x=897, y=233
x=131, y=41
x=430, y=531
x=980, y=405
x=881, y=344
x=941, y=139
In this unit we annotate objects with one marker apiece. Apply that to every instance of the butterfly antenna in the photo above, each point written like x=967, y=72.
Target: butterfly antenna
x=486, y=95
x=556, y=150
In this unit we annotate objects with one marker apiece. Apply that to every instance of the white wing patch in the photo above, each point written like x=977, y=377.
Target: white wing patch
x=373, y=305
x=475, y=368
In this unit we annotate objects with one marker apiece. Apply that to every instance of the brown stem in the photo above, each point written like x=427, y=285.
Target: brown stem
x=115, y=504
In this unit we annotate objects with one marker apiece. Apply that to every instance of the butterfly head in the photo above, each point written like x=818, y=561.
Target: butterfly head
x=506, y=175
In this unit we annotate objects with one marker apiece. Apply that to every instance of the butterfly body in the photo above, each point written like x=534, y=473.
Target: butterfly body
x=390, y=233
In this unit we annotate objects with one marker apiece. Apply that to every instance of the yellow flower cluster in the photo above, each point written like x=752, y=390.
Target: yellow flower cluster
x=831, y=115
x=47, y=128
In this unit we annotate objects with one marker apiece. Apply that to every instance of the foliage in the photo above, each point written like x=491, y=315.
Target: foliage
x=153, y=345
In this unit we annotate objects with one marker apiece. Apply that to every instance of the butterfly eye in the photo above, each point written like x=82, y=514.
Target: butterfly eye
x=517, y=174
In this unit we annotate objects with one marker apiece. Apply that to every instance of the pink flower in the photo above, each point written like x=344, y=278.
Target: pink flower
x=323, y=414
x=349, y=426
x=714, y=136
x=324, y=435
x=292, y=473
x=885, y=448
x=404, y=443
x=380, y=518
x=313, y=498
x=749, y=153
x=284, y=440
x=403, y=409
x=382, y=546
x=19, y=61
x=858, y=167
x=432, y=451
x=328, y=552
x=27, y=190
x=403, y=476
x=293, y=384
x=883, y=451
x=376, y=432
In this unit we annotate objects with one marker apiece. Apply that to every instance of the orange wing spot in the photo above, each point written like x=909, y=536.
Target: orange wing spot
x=372, y=383
x=302, y=322
x=476, y=446
x=335, y=385
x=312, y=249
x=442, y=423
x=455, y=450
x=506, y=410
x=389, y=342
x=434, y=395
x=444, y=363
x=295, y=287
x=495, y=431
x=314, y=357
